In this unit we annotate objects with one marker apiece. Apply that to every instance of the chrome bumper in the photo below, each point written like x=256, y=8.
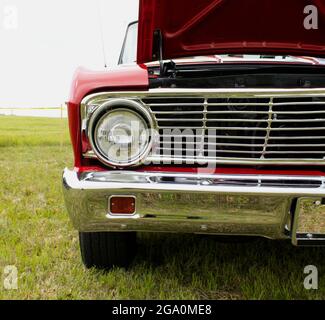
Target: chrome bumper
x=254, y=205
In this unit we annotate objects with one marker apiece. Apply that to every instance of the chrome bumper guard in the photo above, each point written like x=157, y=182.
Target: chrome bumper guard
x=271, y=206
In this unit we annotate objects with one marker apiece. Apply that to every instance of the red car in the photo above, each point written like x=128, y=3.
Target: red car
x=213, y=123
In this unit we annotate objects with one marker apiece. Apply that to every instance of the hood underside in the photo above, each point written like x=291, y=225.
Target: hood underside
x=204, y=27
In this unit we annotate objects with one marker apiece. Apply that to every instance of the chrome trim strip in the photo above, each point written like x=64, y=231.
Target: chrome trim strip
x=237, y=161
x=196, y=182
x=222, y=93
x=206, y=160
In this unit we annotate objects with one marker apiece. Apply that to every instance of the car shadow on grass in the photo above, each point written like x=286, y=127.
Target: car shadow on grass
x=210, y=267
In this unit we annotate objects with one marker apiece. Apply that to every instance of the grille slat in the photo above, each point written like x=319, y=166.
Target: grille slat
x=270, y=145
x=238, y=151
x=299, y=138
x=176, y=112
x=244, y=129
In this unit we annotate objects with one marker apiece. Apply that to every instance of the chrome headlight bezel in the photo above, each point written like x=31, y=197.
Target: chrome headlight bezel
x=113, y=106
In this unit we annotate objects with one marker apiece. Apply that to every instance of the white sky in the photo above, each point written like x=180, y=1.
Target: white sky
x=42, y=42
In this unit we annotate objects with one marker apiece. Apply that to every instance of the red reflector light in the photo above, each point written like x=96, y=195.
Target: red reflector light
x=122, y=205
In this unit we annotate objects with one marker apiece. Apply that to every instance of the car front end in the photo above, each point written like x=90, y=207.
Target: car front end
x=220, y=144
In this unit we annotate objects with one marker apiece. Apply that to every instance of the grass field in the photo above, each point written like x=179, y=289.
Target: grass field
x=37, y=237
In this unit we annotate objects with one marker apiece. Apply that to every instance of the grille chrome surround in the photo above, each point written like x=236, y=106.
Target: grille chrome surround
x=247, y=126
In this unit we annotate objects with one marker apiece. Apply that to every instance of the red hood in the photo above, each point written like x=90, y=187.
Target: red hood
x=132, y=77
x=203, y=27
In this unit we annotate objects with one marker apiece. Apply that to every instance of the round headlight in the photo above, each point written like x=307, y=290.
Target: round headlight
x=120, y=133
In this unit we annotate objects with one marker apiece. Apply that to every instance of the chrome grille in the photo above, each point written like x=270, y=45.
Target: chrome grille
x=246, y=126
x=240, y=129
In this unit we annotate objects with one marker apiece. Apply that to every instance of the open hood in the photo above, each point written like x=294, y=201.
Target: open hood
x=171, y=29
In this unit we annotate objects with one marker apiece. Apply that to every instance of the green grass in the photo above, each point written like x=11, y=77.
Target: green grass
x=21, y=131
x=37, y=237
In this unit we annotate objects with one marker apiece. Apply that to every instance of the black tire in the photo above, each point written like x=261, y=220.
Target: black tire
x=105, y=250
